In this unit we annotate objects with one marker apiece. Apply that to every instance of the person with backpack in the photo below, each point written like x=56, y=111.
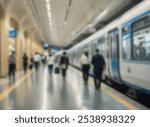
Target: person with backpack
x=98, y=63
x=64, y=62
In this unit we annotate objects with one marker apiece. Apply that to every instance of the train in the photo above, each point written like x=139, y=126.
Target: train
x=125, y=46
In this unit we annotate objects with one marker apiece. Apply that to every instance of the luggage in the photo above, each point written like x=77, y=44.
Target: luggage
x=57, y=70
x=30, y=66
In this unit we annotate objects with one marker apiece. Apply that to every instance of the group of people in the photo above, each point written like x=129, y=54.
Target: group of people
x=98, y=63
x=34, y=61
x=63, y=63
x=12, y=64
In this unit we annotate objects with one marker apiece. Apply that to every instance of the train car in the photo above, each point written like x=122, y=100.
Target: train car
x=125, y=45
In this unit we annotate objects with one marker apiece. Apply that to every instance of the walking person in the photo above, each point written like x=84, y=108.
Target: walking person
x=98, y=63
x=12, y=65
x=85, y=63
x=64, y=62
x=31, y=63
x=25, y=62
x=37, y=59
x=51, y=61
x=43, y=59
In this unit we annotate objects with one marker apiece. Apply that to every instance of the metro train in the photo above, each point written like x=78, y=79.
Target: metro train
x=125, y=45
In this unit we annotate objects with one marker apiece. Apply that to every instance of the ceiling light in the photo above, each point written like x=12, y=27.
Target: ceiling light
x=47, y=1
x=48, y=6
x=50, y=23
x=102, y=14
x=49, y=14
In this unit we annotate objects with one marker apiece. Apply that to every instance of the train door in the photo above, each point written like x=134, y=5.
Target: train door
x=114, y=53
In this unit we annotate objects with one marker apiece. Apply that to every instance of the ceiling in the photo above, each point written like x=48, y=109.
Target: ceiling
x=67, y=19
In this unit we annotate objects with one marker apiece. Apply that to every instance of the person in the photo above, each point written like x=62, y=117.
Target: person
x=98, y=63
x=36, y=59
x=31, y=62
x=51, y=60
x=64, y=62
x=43, y=59
x=25, y=62
x=142, y=51
x=85, y=63
x=12, y=65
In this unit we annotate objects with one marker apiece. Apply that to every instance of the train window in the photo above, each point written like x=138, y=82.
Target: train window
x=116, y=46
x=141, y=44
x=125, y=30
x=140, y=24
x=93, y=47
x=126, y=44
x=112, y=46
x=141, y=39
x=101, y=46
x=126, y=49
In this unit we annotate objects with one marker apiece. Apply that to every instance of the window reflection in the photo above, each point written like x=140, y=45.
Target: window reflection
x=141, y=45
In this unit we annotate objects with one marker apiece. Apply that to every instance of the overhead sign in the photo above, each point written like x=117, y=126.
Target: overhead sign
x=46, y=46
x=12, y=33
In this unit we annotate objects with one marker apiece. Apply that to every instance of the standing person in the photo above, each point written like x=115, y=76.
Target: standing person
x=36, y=59
x=12, y=65
x=85, y=66
x=64, y=62
x=99, y=64
x=25, y=62
x=51, y=60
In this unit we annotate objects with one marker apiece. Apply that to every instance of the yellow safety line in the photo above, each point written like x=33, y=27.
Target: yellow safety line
x=10, y=89
x=121, y=101
x=118, y=99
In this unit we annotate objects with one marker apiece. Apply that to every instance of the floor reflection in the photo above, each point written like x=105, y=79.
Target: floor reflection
x=48, y=91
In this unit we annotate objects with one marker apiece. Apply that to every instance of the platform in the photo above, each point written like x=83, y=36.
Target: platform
x=41, y=91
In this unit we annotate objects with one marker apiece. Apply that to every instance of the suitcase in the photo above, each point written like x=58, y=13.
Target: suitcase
x=57, y=70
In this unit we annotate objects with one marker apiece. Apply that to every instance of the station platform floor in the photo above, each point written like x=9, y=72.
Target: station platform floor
x=41, y=91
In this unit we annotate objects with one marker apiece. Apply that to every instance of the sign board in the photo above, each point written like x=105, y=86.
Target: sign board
x=46, y=46
x=12, y=33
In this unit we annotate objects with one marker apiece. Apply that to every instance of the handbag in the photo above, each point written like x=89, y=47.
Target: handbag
x=57, y=70
x=63, y=66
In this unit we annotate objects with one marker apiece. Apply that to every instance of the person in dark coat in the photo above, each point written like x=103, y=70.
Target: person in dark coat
x=25, y=62
x=98, y=63
x=64, y=62
x=12, y=65
x=31, y=63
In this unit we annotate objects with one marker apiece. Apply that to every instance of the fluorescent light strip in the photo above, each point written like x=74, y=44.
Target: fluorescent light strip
x=49, y=14
x=47, y=1
x=48, y=7
x=102, y=14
